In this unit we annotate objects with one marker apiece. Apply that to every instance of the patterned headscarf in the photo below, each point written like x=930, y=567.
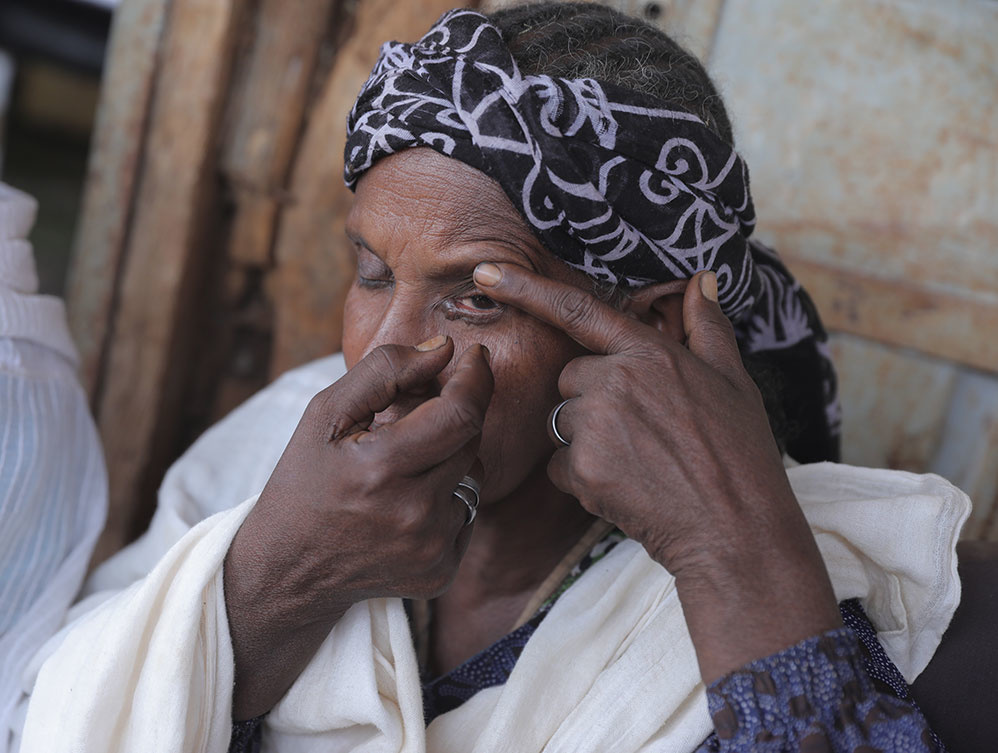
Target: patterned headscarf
x=615, y=183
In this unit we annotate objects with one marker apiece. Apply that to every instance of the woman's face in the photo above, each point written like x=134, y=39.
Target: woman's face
x=419, y=224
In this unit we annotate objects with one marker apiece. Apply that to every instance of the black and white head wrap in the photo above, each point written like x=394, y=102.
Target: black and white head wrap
x=615, y=183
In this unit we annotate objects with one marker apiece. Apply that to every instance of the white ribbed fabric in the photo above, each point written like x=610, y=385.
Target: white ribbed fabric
x=53, y=488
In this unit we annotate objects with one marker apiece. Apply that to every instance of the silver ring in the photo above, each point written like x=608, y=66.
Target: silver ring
x=554, y=423
x=468, y=491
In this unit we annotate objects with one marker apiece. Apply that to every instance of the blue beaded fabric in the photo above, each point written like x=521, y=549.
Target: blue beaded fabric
x=486, y=670
x=816, y=696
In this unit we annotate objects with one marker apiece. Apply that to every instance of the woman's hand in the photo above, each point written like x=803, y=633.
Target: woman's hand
x=673, y=445
x=353, y=512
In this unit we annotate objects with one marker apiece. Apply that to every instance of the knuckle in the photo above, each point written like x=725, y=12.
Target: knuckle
x=386, y=359
x=616, y=388
x=463, y=415
x=583, y=471
x=575, y=308
x=603, y=415
x=321, y=418
x=718, y=330
x=369, y=477
x=381, y=369
x=747, y=386
x=321, y=403
x=427, y=550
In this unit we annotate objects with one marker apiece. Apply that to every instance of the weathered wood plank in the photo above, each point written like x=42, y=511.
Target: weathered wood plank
x=266, y=118
x=115, y=157
x=140, y=406
x=314, y=261
x=959, y=326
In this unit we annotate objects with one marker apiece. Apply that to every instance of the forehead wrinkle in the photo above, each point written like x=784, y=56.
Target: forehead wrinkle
x=442, y=202
x=492, y=220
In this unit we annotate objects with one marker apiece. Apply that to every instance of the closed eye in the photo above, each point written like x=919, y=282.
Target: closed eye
x=373, y=282
x=372, y=272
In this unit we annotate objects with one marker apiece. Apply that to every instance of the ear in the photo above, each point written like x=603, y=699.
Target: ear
x=659, y=306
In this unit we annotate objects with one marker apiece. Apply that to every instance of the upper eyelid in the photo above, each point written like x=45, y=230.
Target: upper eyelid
x=463, y=288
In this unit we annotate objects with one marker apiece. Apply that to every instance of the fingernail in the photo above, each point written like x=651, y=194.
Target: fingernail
x=708, y=286
x=432, y=344
x=487, y=274
x=487, y=353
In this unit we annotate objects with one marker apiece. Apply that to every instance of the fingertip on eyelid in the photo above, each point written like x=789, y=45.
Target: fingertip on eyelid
x=487, y=274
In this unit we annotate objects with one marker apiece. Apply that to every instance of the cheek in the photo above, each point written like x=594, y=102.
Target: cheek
x=359, y=324
x=526, y=364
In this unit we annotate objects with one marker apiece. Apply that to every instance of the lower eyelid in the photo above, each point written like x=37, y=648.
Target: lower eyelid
x=479, y=316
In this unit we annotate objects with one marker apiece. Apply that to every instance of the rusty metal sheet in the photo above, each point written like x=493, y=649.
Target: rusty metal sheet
x=870, y=131
x=912, y=412
x=894, y=403
x=956, y=326
x=968, y=449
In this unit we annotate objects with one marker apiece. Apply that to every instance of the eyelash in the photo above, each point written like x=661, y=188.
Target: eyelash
x=373, y=283
x=450, y=304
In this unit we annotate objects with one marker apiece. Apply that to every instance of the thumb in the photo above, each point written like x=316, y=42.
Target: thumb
x=349, y=404
x=709, y=334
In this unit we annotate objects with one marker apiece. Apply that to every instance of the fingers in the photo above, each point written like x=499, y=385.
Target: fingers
x=349, y=405
x=581, y=374
x=443, y=425
x=560, y=472
x=579, y=314
x=709, y=334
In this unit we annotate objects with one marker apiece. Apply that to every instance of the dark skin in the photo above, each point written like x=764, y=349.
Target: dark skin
x=361, y=506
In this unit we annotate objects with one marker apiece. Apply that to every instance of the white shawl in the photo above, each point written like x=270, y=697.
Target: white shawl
x=611, y=668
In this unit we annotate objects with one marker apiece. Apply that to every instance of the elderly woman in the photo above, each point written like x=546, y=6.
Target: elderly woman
x=544, y=507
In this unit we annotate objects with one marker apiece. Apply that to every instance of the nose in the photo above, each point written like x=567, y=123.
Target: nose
x=406, y=320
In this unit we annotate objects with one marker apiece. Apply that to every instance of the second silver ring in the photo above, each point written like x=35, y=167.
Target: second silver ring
x=468, y=491
x=554, y=423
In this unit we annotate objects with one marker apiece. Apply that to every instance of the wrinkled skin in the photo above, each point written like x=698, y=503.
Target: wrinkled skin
x=360, y=504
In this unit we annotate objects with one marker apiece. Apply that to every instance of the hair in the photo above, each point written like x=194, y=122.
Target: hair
x=589, y=40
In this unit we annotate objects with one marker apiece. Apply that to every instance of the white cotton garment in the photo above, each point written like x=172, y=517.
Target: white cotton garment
x=53, y=487
x=146, y=663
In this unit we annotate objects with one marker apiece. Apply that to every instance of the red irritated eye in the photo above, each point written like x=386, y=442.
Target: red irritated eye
x=478, y=302
x=475, y=308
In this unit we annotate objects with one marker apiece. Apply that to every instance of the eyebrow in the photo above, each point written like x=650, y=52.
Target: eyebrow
x=460, y=269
